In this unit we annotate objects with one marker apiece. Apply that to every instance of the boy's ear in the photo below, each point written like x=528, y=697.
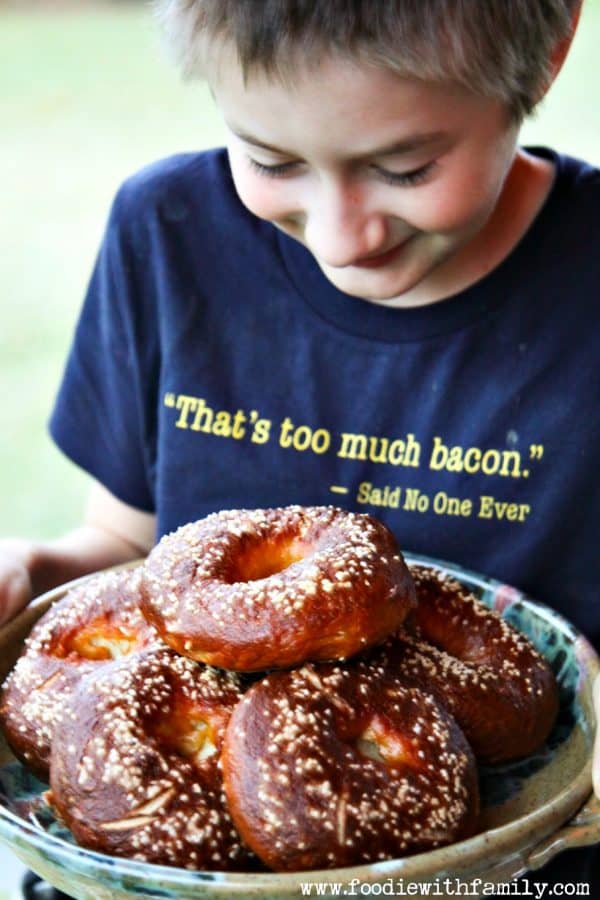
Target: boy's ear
x=562, y=48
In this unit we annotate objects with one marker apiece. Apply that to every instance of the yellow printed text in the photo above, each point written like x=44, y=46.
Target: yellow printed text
x=396, y=452
x=506, y=463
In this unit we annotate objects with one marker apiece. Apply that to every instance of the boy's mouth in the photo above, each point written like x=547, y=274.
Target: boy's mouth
x=380, y=259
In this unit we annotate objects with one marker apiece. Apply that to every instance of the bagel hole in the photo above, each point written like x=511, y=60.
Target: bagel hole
x=187, y=731
x=369, y=748
x=100, y=639
x=382, y=742
x=269, y=558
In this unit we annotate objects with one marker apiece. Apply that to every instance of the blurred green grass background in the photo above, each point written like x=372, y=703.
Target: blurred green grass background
x=86, y=98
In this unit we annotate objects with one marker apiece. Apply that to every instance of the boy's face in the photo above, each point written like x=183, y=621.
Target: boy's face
x=386, y=180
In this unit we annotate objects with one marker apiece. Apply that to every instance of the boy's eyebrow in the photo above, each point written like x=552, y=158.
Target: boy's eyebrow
x=407, y=145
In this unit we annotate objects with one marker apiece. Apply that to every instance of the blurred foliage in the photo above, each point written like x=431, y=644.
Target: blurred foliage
x=86, y=99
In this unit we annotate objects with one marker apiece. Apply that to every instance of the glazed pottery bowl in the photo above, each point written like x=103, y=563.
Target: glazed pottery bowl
x=532, y=809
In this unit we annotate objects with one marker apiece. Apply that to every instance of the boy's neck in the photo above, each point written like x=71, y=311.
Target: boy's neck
x=525, y=190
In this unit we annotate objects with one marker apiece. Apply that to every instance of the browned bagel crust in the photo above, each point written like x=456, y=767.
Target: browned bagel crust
x=499, y=688
x=331, y=766
x=251, y=590
x=94, y=623
x=135, y=763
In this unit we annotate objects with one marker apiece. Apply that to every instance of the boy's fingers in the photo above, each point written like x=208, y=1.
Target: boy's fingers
x=15, y=588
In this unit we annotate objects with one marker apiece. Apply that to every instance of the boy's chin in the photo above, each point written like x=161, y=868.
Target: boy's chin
x=385, y=291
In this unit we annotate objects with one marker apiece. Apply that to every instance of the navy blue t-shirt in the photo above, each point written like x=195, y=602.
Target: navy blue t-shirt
x=215, y=367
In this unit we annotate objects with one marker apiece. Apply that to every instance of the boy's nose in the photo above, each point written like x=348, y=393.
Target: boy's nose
x=340, y=229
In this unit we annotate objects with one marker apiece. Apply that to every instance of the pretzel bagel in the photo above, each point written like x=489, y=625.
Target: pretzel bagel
x=250, y=590
x=331, y=766
x=135, y=763
x=93, y=624
x=490, y=677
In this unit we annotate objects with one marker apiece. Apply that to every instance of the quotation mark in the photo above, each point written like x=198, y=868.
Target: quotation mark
x=170, y=400
x=536, y=452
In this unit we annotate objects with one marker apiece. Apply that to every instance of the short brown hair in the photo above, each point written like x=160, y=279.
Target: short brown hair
x=499, y=48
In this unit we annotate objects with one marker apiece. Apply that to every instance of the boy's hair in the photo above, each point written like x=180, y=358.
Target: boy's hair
x=499, y=48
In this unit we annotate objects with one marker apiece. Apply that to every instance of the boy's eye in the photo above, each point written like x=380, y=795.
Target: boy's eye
x=275, y=171
x=406, y=178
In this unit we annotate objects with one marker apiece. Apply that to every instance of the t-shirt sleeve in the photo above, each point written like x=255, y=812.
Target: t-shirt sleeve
x=100, y=419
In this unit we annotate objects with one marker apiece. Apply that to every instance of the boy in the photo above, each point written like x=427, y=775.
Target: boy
x=373, y=298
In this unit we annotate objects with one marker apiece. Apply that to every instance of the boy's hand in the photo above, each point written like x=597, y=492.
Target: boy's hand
x=16, y=589
x=112, y=533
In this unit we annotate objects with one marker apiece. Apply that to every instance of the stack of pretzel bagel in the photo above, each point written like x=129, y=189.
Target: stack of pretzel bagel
x=273, y=688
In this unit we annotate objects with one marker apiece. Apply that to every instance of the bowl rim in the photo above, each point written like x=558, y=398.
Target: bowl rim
x=468, y=852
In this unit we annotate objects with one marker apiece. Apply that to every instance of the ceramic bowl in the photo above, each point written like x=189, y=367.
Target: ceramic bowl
x=532, y=809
